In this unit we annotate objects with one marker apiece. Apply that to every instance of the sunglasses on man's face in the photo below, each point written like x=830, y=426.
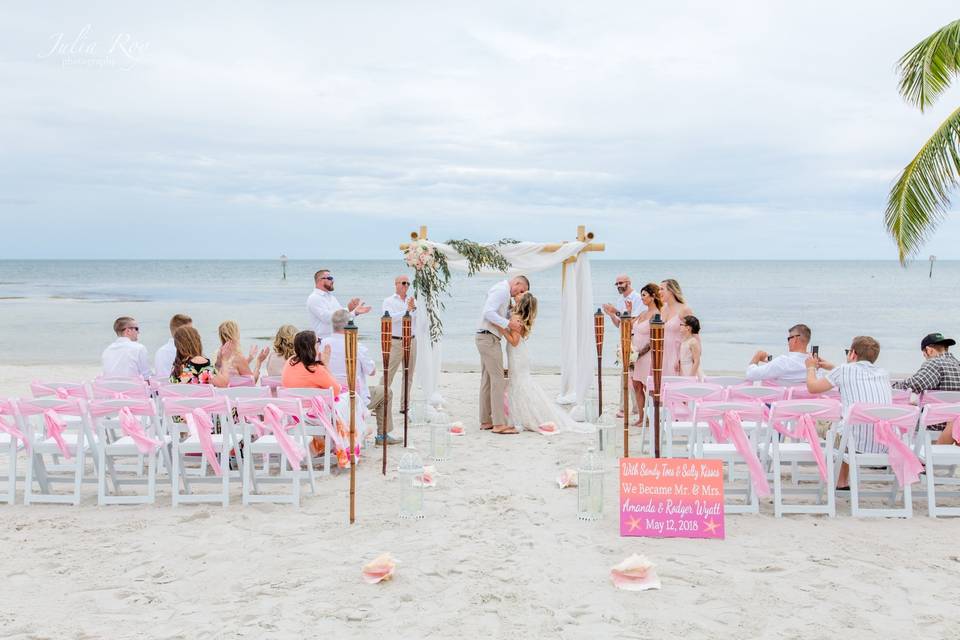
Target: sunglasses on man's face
x=330, y=278
x=137, y=329
x=404, y=284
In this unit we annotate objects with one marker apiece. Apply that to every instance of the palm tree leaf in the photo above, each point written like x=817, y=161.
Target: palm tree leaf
x=920, y=199
x=927, y=69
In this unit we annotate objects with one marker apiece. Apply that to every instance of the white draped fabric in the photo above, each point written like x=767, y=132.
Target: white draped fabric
x=576, y=329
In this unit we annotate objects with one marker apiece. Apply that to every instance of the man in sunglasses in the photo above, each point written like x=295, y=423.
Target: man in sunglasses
x=787, y=369
x=321, y=304
x=125, y=357
x=627, y=294
x=940, y=371
x=396, y=306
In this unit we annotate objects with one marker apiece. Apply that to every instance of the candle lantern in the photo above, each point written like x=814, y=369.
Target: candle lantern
x=590, y=486
x=386, y=339
x=598, y=336
x=350, y=355
x=656, y=349
x=411, y=490
x=440, y=438
x=626, y=326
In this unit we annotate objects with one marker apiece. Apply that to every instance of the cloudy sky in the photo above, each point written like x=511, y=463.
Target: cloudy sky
x=674, y=130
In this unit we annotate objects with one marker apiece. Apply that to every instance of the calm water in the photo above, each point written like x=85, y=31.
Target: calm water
x=62, y=311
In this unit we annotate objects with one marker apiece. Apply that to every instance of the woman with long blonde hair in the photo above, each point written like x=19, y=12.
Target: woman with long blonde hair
x=282, y=350
x=232, y=361
x=674, y=311
x=530, y=407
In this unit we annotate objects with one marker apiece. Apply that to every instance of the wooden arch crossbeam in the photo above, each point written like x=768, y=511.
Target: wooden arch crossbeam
x=582, y=236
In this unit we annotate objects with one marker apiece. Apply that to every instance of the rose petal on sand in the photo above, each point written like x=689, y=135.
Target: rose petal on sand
x=567, y=478
x=456, y=429
x=635, y=573
x=379, y=570
x=427, y=479
x=547, y=428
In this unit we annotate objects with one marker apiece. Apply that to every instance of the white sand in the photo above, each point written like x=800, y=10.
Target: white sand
x=500, y=554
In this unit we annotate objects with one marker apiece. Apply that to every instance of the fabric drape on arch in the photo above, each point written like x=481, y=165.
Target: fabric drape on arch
x=577, y=354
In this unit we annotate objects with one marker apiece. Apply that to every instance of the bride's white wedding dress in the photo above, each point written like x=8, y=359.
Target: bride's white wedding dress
x=529, y=405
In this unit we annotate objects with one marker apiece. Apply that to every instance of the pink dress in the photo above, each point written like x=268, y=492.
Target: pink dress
x=671, y=346
x=641, y=338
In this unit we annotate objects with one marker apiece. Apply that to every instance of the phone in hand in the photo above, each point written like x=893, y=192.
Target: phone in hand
x=815, y=350
x=769, y=358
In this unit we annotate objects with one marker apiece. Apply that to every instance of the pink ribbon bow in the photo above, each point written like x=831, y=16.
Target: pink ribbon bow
x=318, y=411
x=200, y=424
x=273, y=421
x=132, y=427
x=732, y=428
x=805, y=429
x=905, y=464
x=55, y=426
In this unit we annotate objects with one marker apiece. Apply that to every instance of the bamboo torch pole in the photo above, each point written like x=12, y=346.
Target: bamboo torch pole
x=626, y=326
x=350, y=350
x=386, y=338
x=406, y=337
x=656, y=348
x=598, y=334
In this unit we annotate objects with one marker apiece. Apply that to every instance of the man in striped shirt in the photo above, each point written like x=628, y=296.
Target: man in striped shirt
x=939, y=372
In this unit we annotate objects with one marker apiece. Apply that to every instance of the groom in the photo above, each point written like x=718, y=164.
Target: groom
x=492, y=383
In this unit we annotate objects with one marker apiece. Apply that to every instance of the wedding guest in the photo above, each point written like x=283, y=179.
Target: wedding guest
x=282, y=350
x=305, y=369
x=940, y=371
x=675, y=308
x=372, y=398
x=858, y=380
x=163, y=359
x=125, y=357
x=787, y=369
x=321, y=304
x=237, y=364
x=190, y=366
x=690, y=348
x=396, y=306
x=627, y=295
x=640, y=338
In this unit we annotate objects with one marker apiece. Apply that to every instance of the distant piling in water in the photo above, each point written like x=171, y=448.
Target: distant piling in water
x=283, y=265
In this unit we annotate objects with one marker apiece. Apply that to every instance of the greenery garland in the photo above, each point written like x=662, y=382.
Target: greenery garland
x=432, y=273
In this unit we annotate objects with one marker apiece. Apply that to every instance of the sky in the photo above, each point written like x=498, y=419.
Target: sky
x=674, y=131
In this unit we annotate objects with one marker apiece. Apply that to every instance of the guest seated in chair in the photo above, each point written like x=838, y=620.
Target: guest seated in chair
x=281, y=351
x=125, y=357
x=939, y=372
x=190, y=366
x=237, y=364
x=786, y=369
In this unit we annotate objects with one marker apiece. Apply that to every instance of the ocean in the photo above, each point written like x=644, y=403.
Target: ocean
x=62, y=311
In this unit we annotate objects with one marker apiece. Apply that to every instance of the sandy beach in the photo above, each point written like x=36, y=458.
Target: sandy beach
x=500, y=553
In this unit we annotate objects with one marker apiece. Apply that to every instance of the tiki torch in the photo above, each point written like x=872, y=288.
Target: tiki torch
x=406, y=337
x=626, y=325
x=386, y=336
x=350, y=352
x=656, y=348
x=598, y=334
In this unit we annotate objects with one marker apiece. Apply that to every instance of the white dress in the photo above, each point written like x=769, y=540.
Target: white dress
x=529, y=405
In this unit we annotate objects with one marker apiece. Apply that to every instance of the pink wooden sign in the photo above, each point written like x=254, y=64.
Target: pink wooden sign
x=671, y=498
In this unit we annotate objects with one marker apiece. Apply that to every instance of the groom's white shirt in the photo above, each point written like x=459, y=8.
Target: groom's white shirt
x=495, y=308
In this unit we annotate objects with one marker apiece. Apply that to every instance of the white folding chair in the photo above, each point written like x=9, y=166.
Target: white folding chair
x=901, y=422
x=130, y=415
x=48, y=433
x=940, y=455
x=12, y=440
x=321, y=418
x=796, y=421
x=45, y=389
x=274, y=418
x=178, y=413
x=727, y=418
x=678, y=400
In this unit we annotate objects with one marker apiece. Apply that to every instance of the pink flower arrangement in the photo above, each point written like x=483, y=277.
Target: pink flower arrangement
x=420, y=255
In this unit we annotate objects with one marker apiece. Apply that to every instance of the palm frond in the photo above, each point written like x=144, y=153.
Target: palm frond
x=927, y=69
x=920, y=197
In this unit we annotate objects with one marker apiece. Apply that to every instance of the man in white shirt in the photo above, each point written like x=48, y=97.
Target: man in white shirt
x=322, y=303
x=163, y=359
x=788, y=369
x=396, y=306
x=125, y=357
x=372, y=398
x=492, y=383
x=627, y=293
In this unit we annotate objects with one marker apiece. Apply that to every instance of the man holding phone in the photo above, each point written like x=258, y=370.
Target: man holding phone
x=787, y=369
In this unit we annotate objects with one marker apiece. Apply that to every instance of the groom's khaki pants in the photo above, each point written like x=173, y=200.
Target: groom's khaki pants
x=492, y=383
x=396, y=364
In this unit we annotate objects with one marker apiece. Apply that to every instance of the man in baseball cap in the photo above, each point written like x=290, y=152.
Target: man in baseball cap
x=940, y=371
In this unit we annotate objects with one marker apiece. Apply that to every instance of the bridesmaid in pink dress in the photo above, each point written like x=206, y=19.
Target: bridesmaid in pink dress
x=650, y=296
x=675, y=309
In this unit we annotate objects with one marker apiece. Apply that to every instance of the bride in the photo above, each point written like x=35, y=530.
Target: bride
x=530, y=407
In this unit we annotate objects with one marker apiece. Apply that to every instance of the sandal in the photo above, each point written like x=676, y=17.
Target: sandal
x=486, y=427
x=506, y=431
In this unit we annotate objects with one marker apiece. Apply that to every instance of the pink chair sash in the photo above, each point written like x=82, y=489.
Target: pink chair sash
x=273, y=421
x=805, y=428
x=132, y=427
x=905, y=464
x=937, y=413
x=319, y=407
x=200, y=425
x=55, y=426
x=39, y=389
x=730, y=427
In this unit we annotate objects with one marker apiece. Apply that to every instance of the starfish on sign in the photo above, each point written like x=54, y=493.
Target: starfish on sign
x=711, y=526
x=634, y=523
